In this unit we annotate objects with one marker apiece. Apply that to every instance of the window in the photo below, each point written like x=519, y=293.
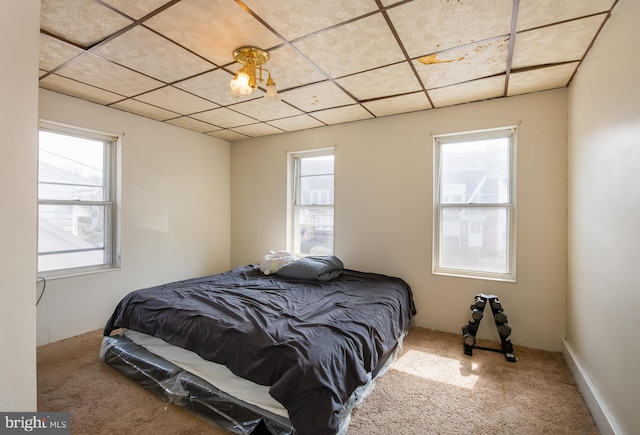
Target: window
x=474, y=209
x=76, y=201
x=311, y=204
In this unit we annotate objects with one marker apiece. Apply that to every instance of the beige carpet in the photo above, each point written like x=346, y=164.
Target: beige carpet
x=434, y=388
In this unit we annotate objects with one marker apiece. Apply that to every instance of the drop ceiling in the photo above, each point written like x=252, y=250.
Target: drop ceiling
x=333, y=61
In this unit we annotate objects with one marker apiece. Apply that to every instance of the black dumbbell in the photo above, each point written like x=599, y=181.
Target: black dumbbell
x=500, y=317
x=477, y=314
x=469, y=340
x=472, y=327
x=504, y=330
x=496, y=304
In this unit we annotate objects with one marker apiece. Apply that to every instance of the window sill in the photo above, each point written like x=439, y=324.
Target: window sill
x=474, y=275
x=55, y=275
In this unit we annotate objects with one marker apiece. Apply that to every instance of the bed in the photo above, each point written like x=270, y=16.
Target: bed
x=311, y=337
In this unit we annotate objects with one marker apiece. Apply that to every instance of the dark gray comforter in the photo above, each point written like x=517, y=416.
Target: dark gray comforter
x=312, y=342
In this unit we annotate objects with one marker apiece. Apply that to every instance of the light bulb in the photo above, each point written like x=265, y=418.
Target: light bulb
x=272, y=92
x=240, y=84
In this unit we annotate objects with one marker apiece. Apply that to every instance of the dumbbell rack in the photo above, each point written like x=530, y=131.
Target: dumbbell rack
x=504, y=330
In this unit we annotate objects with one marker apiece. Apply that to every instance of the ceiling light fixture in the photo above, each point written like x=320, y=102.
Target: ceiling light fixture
x=249, y=76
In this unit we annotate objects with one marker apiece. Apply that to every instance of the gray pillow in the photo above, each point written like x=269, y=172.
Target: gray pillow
x=313, y=268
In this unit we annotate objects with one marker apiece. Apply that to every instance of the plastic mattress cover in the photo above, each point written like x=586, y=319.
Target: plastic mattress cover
x=180, y=387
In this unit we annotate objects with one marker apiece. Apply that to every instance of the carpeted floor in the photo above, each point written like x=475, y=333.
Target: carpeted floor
x=434, y=388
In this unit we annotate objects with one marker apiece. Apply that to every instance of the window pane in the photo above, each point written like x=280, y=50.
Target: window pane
x=72, y=236
x=70, y=260
x=70, y=192
x=70, y=167
x=314, y=230
x=475, y=172
x=475, y=239
x=315, y=181
x=317, y=189
x=320, y=165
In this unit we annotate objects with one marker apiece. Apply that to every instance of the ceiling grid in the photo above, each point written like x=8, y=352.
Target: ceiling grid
x=332, y=61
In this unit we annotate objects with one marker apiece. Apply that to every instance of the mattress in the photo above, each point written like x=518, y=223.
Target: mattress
x=215, y=374
x=210, y=390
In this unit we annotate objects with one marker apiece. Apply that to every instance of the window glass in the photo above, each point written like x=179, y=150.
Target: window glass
x=475, y=239
x=75, y=201
x=475, y=172
x=312, y=207
x=474, y=209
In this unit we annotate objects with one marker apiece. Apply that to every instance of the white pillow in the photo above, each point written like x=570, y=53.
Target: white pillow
x=274, y=260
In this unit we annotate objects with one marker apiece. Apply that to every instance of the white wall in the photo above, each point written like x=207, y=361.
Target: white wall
x=604, y=219
x=19, y=21
x=175, y=211
x=384, y=200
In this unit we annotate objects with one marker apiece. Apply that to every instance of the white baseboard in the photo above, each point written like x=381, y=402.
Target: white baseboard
x=603, y=418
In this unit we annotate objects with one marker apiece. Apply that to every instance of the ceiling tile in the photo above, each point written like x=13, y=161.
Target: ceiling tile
x=136, y=9
x=104, y=74
x=228, y=135
x=535, y=13
x=144, y=51
x=212, y=28
x=333, y=61
x=383, y=82
x=176, y=100
x=541, y=79
x=193, y=124
x=144, y=109
x=562, y=42
x=342, y=114
x=355, y=47
x=264, y=110
x=466, y=63
x=429, y=26
x=289, y=69
x=83, y=22
x=224, y=118
x=54, y=53
x=76, y=89
x=293, y=19
x=476, y=90
x=296, y=123
x=316, y=97
x=401, y=104
x=256, y=130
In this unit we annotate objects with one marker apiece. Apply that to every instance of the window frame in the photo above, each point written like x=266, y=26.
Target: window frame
x=111, y=236
x=293, y=195
x=438, y=207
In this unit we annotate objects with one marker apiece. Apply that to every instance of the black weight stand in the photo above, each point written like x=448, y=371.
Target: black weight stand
x=504, y=330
